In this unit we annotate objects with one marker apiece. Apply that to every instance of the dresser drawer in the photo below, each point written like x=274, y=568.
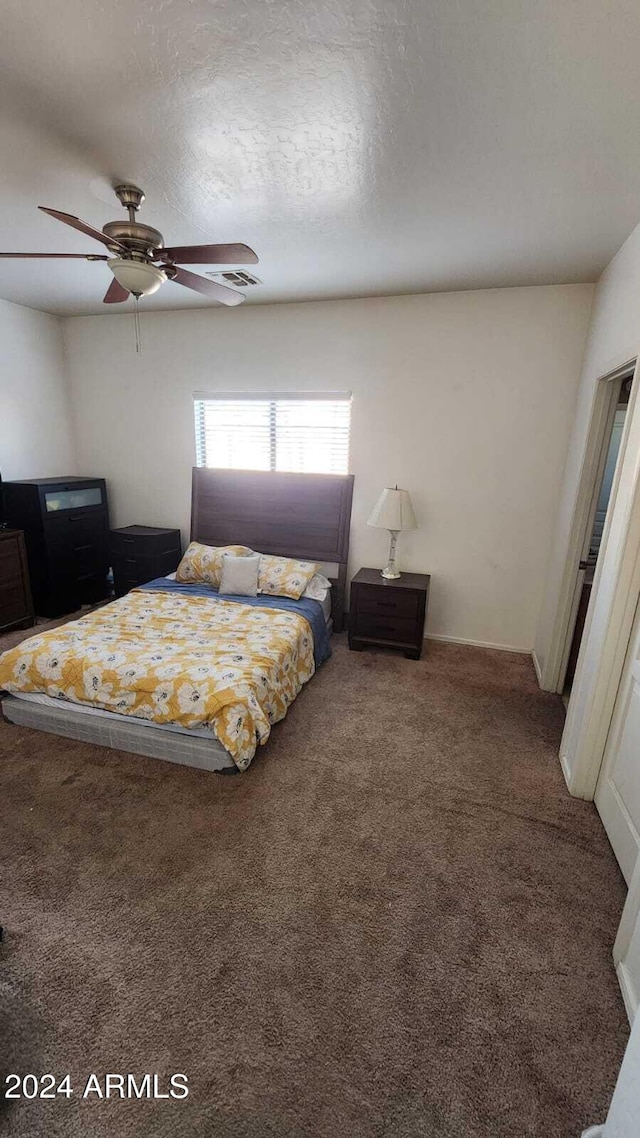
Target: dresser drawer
x=380, y=602
x=146, y=568
x=131, y=544
x=127, y=577
x=79, y=560
x=10, y=566
x=68, y=532
x=13, y=604
x=124, y=585
x=399, y=629
x=69, y=591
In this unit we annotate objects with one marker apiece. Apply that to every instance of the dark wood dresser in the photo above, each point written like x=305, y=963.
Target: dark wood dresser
x=140, y=553
x=66, y=528
x=390, y=614
x=16, y=606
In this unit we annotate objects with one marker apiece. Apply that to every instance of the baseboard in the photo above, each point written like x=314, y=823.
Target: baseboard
x=565, y=770
x=478, y=643
x=536, y=664
x=628, y=991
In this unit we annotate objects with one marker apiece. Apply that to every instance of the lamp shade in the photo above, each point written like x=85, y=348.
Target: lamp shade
x=138, y=277
x=393, y=511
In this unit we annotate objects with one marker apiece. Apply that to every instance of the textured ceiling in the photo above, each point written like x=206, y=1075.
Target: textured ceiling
x=361, y=147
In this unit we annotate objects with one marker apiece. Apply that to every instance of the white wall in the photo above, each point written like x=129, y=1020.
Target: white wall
x=35, y=427
x=466, y=399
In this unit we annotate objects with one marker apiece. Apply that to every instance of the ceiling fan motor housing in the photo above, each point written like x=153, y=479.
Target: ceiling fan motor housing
x=138, y=238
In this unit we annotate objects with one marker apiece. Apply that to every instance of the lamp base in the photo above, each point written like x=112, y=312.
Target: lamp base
x=390, y=573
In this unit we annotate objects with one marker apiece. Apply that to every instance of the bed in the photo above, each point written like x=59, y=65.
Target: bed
x=304, y=516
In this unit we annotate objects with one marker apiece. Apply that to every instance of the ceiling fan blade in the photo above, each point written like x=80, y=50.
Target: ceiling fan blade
x=209, y=255
x=68, y=256
x=209, y=288
x=115, y=293
x=84, y=227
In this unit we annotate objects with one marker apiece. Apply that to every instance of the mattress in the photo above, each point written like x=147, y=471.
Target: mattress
x=100, y=713
x=133, y=736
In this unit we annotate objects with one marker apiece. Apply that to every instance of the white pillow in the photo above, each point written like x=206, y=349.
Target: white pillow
x=318, y=588
x=239, y=576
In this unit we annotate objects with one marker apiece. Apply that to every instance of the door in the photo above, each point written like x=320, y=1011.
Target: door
x=618, y=791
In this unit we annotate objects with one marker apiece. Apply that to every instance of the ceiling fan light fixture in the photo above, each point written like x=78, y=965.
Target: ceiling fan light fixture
x=137, y=277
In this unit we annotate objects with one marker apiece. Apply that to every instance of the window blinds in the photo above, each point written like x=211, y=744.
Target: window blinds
x=304, y=433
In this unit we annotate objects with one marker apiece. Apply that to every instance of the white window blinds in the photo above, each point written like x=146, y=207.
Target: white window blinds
x=305, y=433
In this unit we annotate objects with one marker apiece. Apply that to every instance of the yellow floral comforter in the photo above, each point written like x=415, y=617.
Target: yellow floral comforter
x=174, y=659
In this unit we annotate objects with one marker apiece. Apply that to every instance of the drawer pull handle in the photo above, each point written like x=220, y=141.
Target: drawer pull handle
x=386, y=604
x=86, y=577
x=81, y=548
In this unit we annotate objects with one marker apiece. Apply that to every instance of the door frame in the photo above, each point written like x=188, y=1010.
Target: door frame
x=610, y=618
x=607, y=392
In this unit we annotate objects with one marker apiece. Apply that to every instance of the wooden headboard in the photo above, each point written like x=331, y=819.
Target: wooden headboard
x=292, y=515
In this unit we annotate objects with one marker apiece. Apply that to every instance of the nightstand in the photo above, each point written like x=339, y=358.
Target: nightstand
x=142, y=553
x=390, y=614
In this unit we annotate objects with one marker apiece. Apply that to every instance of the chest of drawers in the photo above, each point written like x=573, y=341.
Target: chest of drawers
x=66, y=526
x=141, y=553
x=16, y=607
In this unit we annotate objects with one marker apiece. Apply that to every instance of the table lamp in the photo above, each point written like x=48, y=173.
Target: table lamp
x=392, y=511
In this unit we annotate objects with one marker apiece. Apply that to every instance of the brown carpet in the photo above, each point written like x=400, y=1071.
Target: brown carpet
x=397, y=924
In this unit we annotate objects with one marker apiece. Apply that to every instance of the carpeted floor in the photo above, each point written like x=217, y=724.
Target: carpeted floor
x=397, y=924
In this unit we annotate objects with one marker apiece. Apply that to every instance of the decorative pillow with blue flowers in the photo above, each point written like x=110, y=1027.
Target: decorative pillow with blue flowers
x=204, y=562
x=284, y=577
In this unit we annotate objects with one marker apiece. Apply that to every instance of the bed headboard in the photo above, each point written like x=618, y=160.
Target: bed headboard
x=292, y=515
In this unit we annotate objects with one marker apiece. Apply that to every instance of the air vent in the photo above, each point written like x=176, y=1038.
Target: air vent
x=236, y=277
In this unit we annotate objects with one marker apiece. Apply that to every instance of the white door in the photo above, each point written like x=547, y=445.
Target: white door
x=618, y=791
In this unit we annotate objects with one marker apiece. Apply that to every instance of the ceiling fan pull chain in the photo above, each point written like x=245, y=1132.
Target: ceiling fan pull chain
x=136, y=322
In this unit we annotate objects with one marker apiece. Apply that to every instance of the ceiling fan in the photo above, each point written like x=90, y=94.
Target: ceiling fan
x=135, y=247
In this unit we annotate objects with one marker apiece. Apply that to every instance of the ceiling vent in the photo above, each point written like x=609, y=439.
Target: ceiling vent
x=236, y=277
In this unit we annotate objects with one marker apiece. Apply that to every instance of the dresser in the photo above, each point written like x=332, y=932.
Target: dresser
x=66, y=528
x=390, y=614
x=16, y=607
x=141, y=553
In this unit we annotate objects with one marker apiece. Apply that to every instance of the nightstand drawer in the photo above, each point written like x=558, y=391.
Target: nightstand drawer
x=383, y=602
x=386, y=628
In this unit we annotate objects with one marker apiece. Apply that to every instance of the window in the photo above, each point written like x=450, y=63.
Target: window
x=305, y=433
